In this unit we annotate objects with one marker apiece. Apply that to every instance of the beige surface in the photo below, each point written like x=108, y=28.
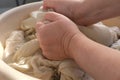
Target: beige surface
x=113, y=22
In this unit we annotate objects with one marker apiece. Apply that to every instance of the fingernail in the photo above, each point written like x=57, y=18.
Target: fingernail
x=46, y=22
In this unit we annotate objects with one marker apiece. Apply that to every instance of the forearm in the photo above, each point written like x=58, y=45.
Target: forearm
x=99, y=61
x=97, y=10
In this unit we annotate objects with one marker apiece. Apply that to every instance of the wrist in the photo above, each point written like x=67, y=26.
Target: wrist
x=75, y=45
x=97, y=11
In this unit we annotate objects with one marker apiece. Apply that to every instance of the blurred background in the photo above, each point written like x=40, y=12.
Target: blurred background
x=8, y=4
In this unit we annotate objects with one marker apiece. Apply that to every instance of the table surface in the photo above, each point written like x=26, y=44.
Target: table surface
x=113, y=22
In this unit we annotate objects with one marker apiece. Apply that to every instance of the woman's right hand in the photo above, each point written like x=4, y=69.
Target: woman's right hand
x=56, y=36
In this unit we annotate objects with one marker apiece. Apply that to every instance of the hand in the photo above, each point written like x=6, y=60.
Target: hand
x=71, y=8
x=85, y=12
x=55, y=37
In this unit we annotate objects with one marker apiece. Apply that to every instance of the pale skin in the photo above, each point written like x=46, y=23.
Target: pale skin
x=85, y=12
x=61, y=39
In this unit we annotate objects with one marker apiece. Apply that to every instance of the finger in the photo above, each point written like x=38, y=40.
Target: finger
x=38, y=27
x=52, y=16
x=49, y=55
x=48, y=4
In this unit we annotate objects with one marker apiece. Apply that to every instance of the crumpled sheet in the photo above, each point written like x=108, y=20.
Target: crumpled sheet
x=22, y=51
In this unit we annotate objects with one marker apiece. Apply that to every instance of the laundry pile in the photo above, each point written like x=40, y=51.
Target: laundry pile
x=23, y=53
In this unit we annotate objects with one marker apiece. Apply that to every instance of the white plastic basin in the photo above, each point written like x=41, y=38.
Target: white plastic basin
x=10, y=21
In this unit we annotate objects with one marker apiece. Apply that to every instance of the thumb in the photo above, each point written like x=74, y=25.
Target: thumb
x=47, y=4
x=38, y=27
